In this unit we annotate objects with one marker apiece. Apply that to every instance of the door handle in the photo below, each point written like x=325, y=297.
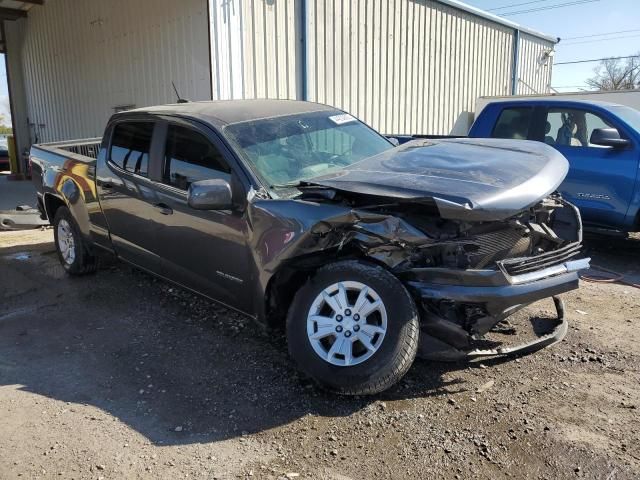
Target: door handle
x=164, y=208
x=107, y=186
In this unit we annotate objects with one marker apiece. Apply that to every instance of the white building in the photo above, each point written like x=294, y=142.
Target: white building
x=403, y=66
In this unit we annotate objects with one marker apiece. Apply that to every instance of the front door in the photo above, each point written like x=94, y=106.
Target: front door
x=601, y=180
x=203, y=250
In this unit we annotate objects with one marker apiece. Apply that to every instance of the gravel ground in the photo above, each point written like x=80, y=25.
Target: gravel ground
x=120, y=375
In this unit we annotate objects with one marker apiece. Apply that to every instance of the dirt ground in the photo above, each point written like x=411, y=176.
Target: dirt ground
x=119, y=375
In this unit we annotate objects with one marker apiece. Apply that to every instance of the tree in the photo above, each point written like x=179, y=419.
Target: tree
x=616, y=74
x=4, y=129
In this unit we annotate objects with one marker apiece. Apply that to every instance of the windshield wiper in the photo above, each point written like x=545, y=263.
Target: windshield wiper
x=295, y=184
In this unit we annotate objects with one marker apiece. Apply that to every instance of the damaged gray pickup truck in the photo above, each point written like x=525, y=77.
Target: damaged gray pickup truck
x=299, y=215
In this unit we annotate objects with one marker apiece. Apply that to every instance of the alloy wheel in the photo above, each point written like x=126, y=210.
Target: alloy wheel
x=66, y=242
x=346, y=323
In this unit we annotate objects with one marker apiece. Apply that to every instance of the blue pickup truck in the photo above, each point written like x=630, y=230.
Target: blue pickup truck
x=601, y=141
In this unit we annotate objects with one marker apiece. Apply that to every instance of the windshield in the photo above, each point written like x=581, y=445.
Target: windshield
x=286, y=150
x=629, y=115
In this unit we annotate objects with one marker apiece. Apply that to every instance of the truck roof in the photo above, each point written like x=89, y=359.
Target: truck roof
x=539, y=100
x=225, y=112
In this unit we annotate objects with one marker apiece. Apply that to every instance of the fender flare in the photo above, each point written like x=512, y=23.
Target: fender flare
x=71, y=195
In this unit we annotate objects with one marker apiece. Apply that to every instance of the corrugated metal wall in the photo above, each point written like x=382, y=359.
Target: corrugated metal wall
x=255, y=48
x=403, y=66
x=408, y=66
x=534, y=69
x=81, y=59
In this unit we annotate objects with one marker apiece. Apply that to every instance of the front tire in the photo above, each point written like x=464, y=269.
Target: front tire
x=73, y=251
x=353, y=328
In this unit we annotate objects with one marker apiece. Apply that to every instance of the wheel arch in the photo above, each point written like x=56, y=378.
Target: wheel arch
x=51, y=205
x=291, y=276
x=69, y=194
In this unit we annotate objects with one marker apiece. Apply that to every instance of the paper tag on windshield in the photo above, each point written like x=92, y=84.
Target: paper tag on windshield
x=341, y=119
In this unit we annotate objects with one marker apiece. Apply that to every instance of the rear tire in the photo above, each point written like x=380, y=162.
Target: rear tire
x=73, y=251
x=353, y=328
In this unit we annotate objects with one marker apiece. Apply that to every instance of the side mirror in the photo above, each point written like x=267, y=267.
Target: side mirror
x=608, y=137
x=214, y=194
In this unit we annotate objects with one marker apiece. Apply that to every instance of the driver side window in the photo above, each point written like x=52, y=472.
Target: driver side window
x=190, y=157
x=572, y=127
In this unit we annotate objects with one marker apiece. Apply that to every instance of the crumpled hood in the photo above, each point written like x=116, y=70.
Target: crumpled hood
x=467, y=179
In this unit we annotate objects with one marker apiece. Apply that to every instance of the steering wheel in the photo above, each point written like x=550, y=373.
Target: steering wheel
x=337, y=160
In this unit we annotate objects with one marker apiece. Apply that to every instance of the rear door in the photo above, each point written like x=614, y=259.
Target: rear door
x=202, y=250
x=601, y=179
x=126, y=193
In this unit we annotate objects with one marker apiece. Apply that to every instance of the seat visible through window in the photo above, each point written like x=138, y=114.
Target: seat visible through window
x=548, y=139
x=513, y=123
x=573, y=127
x=190, y=157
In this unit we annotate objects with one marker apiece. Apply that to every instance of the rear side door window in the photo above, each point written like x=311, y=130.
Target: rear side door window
x=130, y=146
x=572, y=127
x=191, y=157
x=513, y=123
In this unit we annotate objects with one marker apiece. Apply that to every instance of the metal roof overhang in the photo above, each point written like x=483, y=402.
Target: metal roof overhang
x=11, y=10
x=495, y=18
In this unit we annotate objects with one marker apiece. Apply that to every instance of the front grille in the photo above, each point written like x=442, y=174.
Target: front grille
x=519, y=266
x=497, y=245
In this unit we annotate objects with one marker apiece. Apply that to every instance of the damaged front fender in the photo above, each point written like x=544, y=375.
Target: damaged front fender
x=286, y=234
x=286, y=229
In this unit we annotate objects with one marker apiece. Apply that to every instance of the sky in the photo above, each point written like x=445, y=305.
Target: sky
x=589, y=17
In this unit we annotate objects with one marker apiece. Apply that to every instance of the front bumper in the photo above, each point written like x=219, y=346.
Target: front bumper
x=498, y=294
x=556, y=335
x=494, y=288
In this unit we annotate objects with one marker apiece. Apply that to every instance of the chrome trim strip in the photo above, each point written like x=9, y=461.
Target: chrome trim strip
x=566, y=267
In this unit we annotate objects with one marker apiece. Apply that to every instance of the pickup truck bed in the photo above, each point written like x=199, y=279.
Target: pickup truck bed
x=64, y=175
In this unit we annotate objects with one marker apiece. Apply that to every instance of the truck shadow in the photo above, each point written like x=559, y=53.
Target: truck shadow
x=174, y=367
x=616, y=254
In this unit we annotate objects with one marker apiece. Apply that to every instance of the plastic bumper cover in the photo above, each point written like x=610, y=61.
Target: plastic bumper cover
x=496, y=290
x=500, y=294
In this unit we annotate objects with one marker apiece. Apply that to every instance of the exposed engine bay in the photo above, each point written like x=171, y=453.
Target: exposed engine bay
x=416, y=236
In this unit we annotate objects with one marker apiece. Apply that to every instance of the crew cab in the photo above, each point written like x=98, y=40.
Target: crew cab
x=600, y=140
x=299, y=215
